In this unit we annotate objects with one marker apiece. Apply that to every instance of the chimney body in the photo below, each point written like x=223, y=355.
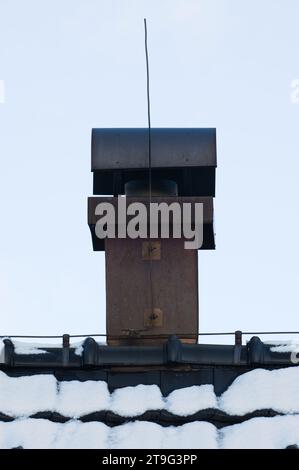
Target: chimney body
x=152, y=283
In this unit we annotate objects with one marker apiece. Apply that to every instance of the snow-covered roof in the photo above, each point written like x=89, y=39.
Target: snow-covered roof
x=38, y=411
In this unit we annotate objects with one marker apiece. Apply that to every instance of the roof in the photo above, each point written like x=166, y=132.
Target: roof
x=259, y=409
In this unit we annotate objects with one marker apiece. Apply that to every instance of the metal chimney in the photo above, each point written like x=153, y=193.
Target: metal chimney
x=140, y=310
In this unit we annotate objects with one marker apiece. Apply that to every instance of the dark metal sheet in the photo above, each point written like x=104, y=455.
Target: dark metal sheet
x=125, y=148
x=192, y=181
x=174, y=380
x=184, y=155
x=131, y=379
x=173, y=356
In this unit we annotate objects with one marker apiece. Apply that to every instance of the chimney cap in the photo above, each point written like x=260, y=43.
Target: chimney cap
x=186, y=155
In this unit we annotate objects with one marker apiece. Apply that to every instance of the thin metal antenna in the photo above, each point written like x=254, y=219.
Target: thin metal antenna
x=152, y=315
x=148, y=113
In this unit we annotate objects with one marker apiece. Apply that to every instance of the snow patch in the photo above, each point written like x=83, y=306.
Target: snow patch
x=134, y=401
x=81, y=398
x=77, y=435
x=137, y=435
x=78, y=348
x=43, y=434
x=286, y=347
x=24, y=347
x=146, y=435
x=29, y=348
x=262, y=389
x=23, y=396
x=189, y=400
x=258, y=389
x=196, y=435
x=262, y=433
x=26, y=395
x=28, y=433
x=257, y=433
x=2, y=359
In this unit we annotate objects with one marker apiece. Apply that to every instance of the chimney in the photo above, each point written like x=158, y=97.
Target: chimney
x=152, y=283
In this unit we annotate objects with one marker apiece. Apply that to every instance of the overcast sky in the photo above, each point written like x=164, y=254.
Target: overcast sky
x=71, y=65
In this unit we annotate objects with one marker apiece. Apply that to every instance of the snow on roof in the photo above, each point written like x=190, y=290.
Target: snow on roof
x=23, y=397
x=278, y=432
x=27, y=347
x=263, y=389
x=41, y=433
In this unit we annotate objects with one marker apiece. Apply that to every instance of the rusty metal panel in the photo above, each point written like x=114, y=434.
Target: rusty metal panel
x=171, y=294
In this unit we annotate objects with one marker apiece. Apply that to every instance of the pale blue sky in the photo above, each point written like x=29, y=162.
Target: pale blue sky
x=71, y=65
